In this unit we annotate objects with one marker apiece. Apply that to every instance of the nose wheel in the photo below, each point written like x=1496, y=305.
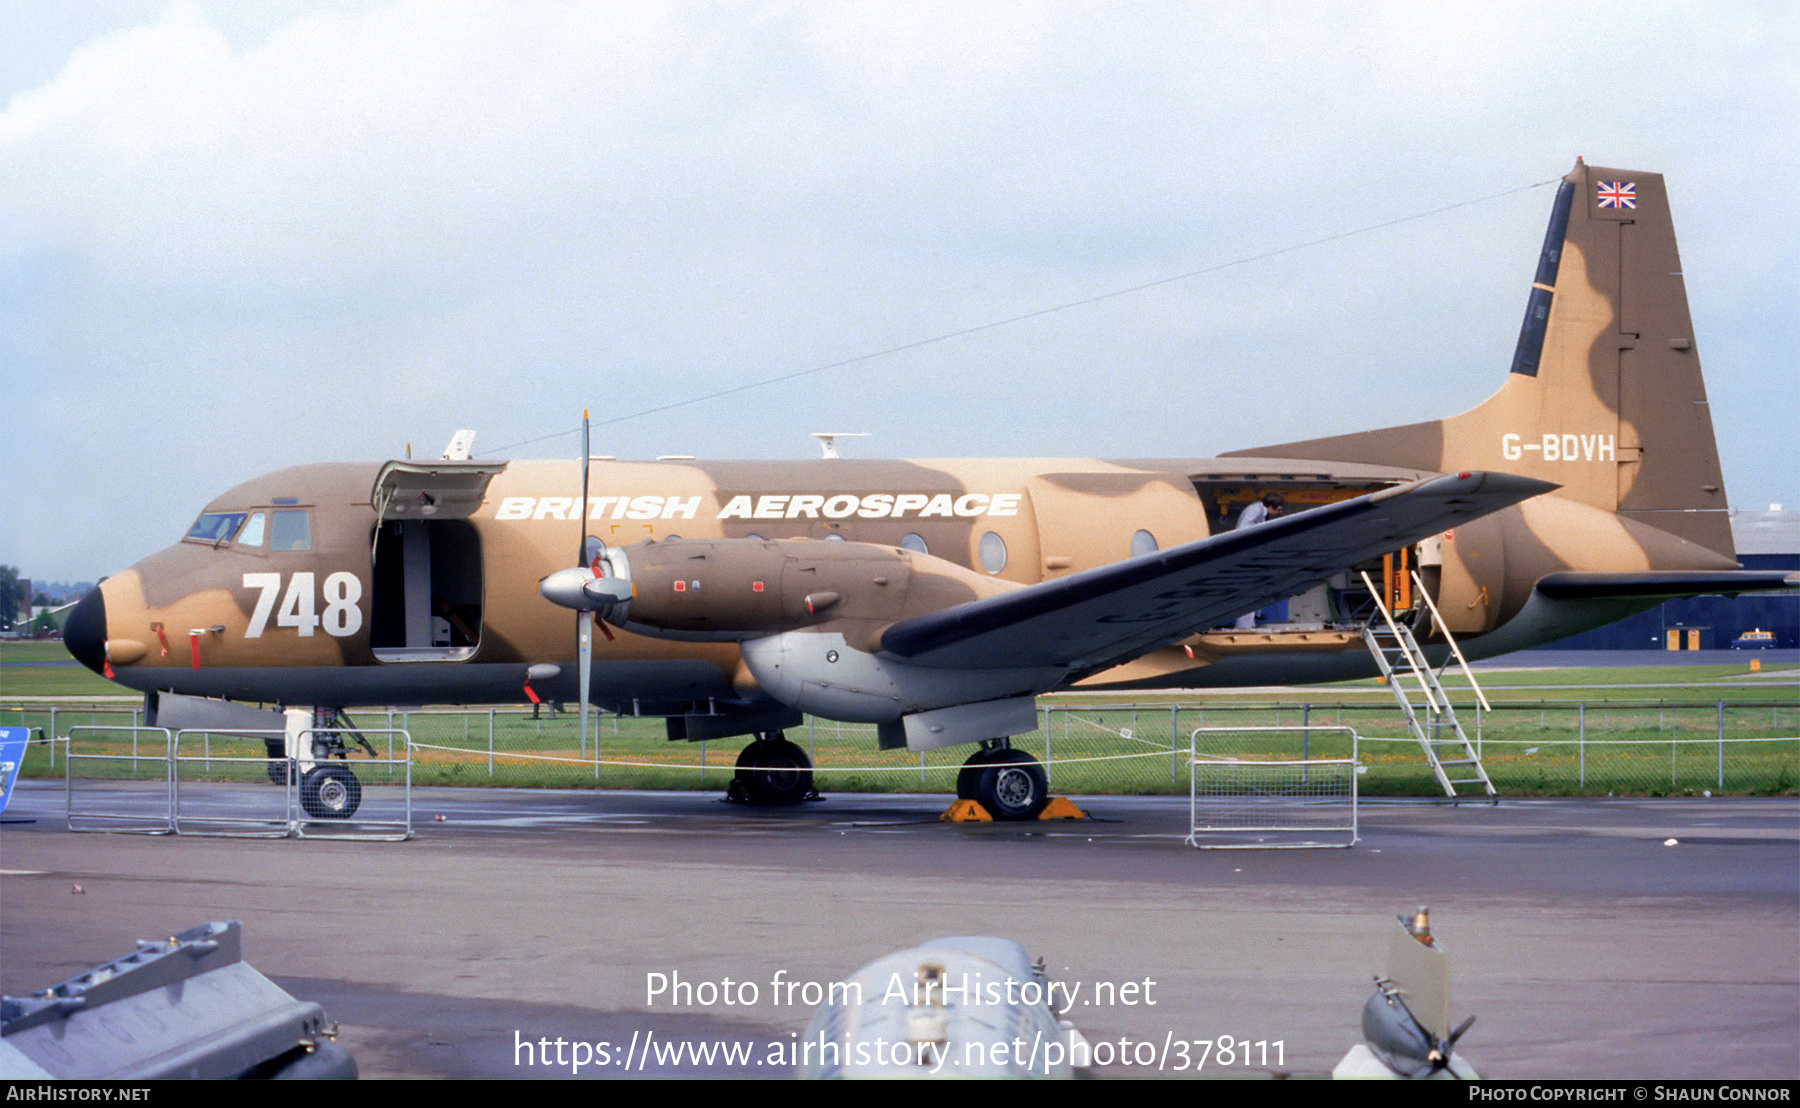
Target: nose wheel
x=330, y=792
x=1009, y=783
x=773, y=771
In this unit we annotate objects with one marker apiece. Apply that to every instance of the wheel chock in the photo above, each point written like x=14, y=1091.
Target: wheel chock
x=971, y=811
x=1060, y=807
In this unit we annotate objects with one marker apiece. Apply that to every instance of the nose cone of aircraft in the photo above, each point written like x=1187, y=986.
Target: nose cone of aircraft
x=84, y=633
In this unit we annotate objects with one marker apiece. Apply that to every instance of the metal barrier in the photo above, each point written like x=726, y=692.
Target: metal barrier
x=1267, y=798
x=319, y=799
x=269, y=796
x=160, y=820
x=232, y=767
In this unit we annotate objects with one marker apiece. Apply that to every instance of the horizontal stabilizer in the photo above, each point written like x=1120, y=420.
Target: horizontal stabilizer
x=1604, y=586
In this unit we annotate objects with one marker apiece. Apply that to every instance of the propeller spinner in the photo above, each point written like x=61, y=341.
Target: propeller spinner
x=588, y=588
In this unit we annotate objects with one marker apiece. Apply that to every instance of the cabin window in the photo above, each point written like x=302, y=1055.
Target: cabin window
x=992, y=550
x=914, y=542
x=292, y=530
x=1143, y=543
x=216, y=527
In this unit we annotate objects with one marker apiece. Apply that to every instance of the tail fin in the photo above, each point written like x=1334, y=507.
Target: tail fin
x=1605, y=396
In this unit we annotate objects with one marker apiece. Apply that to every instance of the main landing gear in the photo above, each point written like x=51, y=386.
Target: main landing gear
x=772, y=771
x=1009, y=783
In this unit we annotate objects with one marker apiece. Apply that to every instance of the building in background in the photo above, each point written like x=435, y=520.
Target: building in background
x=1765, y=540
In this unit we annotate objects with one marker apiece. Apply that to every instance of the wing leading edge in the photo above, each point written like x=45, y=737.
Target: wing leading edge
x=1102, y=617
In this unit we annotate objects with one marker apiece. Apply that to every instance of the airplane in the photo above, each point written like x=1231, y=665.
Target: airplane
x=938, y=599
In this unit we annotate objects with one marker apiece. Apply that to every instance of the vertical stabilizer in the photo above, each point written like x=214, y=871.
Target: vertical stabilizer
x=1605, y=395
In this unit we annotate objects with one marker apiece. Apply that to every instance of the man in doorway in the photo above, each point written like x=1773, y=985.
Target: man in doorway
x=1260, y=511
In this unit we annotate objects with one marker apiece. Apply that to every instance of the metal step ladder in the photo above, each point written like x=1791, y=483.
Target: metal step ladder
x=1433, y=721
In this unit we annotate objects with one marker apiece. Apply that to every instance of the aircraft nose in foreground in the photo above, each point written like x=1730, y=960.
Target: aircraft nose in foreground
x=85, y=632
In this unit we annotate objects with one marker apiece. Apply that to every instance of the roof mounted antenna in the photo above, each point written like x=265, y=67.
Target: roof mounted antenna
x=828, y=441
x=461, y=444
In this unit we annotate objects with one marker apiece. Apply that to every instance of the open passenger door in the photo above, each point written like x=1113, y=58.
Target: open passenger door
x=426, y=557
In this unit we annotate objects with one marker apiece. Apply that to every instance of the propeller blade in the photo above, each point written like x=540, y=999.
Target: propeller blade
x=584, y=622
x=581, y=554
x=1458, y=1033
x=584, y=650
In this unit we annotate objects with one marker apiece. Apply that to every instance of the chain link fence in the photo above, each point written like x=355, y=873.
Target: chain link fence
x=1648, y=748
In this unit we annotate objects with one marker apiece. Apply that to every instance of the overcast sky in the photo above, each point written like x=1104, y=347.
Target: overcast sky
x=235, y=237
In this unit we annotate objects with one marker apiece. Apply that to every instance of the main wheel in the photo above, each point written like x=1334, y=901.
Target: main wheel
x=968, y=779
x=1009, y=783
x=330, y=792
x=774, y=771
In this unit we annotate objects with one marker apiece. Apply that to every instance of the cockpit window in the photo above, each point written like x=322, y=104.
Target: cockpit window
x=216, y=527
x=278, y=528
x=292, y=531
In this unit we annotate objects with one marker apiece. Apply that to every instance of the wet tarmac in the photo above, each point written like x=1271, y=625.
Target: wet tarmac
x=1591, y=938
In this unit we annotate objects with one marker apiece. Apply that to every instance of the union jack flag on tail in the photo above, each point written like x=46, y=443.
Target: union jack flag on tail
x=1617, y=194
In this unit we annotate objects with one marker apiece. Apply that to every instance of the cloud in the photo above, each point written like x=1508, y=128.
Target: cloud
x=313, y=232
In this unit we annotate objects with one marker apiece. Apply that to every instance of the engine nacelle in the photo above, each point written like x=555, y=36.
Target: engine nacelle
x=822, y=674
x=736, y=589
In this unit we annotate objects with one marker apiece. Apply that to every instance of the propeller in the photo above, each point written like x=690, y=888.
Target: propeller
x=584, y=619
x=587, y=588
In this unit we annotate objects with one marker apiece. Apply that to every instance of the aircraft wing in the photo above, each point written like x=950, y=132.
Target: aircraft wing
x=1101, y=617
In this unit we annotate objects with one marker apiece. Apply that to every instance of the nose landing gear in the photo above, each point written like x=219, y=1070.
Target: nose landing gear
x=328, y=789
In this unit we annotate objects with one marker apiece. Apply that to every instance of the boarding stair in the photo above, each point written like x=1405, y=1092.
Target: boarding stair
x=1429, y=714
